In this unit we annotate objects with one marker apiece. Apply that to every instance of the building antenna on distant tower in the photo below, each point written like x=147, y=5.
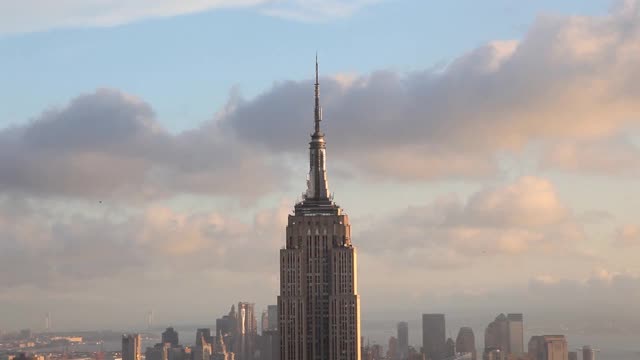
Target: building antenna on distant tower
x=47, y=321
x=318, y=110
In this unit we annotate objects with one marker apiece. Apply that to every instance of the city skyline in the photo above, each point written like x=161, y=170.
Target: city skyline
x=514, y=147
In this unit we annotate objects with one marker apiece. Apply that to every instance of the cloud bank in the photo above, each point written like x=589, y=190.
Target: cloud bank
x=109, y=144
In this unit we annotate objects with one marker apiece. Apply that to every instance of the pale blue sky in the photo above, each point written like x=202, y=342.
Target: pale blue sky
x=185, y=66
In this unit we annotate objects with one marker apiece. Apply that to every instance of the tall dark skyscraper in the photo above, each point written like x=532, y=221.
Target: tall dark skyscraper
x=403, y=340
x=170, y=336
x=433, y=336
x=318, y=306
x=131, y=347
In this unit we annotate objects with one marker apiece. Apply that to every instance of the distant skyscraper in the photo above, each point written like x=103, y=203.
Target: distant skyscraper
x=247, y=331
x=203, y=336
x=573, y=355
x=493, y=354
x=516, y=334
x=466, y=342
x=47, y=322
x=227, y=324
x=170, y=336
x=220, y=351
x=496, y=336
x=588, y=353
x=269, y=345
x=150, y=319
x=548, y=347
x=318, y=304
x=158, y=352
x=392, y=349
x=264, y=321
x=131, y=347
x=403, y=340
x=272, y=315
x=413, y=354
x=433, y=336
x=450, y=348
x=204, y=346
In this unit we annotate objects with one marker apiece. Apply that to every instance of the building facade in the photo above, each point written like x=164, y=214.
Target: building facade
x=318, y=306
x=516, y=334
x=496, y=335
x=131, y=347
x=548, y=347
x=247, y=332
x=158, y=352
x=170, y=336
x=272, y=316
x=433, y=336
x=403, y=340
x=466, y=342
x=588, y=353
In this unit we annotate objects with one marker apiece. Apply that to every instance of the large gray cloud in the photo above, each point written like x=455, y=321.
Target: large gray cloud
x=109, y=143
x=569, y=77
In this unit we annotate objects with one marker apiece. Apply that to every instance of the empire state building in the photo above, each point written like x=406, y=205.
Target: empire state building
x=319, y=306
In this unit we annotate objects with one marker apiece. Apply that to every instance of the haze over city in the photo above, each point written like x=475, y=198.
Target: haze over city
x=487, y=154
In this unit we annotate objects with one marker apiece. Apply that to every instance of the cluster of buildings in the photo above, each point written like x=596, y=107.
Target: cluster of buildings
x=503, y=340
x=236, y=338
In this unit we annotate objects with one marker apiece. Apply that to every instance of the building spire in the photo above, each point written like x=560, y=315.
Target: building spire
x=318, y=109
x=317, y=185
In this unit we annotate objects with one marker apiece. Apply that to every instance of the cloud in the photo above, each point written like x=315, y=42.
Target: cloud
x=617, y=155
x=109, y=144
x=46, y=249
x=627, y=235
x=522, y=217
x=316, y=10
x=572, y=78
x=602, y=288
x=17, y=17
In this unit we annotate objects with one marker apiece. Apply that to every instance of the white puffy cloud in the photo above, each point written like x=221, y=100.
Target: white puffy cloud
x=522, y=217
x=49, y=249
